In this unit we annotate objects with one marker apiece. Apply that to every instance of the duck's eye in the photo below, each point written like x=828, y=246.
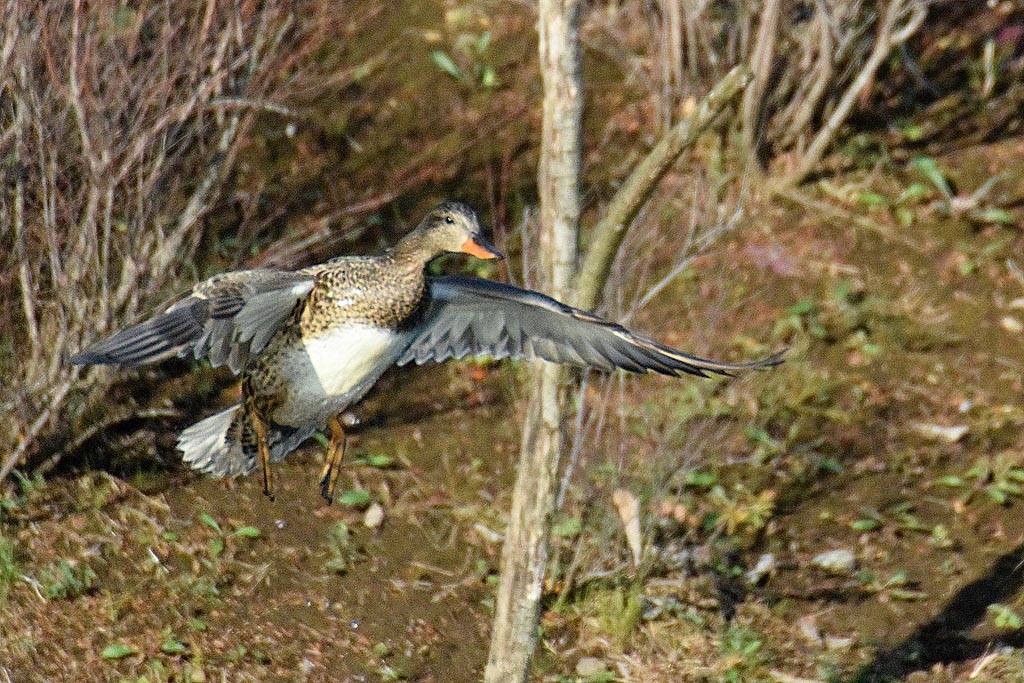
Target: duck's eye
x=449, y=220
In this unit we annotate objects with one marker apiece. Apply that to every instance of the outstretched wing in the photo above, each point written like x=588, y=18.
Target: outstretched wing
x=471, y=316
x=228, y=319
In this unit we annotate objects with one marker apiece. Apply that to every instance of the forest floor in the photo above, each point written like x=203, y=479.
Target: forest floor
x=891, y=436
x=854, y=515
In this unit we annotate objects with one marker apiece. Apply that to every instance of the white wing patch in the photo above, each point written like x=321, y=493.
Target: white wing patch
x=343, y=358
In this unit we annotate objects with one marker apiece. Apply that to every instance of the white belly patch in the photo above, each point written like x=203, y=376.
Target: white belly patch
x=343, y=358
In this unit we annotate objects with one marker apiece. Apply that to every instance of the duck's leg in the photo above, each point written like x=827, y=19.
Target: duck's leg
x=332, y=466
x=260, y=428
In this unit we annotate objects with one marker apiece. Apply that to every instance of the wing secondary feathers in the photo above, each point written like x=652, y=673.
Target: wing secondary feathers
x=228, y=319
x=470, y=316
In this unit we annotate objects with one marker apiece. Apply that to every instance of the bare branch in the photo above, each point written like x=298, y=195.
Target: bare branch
x=28, y=293
x=198, y=203
x=608, y=234
x=243, y=103
x=122, y=139
x=890, y=35
x=760, y=65
x=37, y=426
x=76, y=94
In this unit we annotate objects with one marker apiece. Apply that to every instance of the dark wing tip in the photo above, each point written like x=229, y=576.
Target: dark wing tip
x=733, y=369
x=772, y=360
x=82, y=358
x=92, y=356
x=115, y=357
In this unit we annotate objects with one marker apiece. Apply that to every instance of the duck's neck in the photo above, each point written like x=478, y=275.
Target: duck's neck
x=415, y=250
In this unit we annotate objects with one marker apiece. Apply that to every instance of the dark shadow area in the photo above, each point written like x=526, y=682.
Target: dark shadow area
x=945, y=639
x=139, y=444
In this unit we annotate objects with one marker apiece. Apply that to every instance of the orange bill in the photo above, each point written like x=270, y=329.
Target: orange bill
x=478, y=246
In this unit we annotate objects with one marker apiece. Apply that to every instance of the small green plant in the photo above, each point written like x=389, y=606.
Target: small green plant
x=1005, y=617
x=342, y=554
x=940, y=537
x=1001, y=477
x=606, y=676
x=766, y=447
x=66, y=581
x=118, y=651
x=974, y=207
x=907, y=520
x=900, y=515
x=378, y=460
x=866, y=524
x=8, y=566
x=741, y=648
x=28, y=488
x=803, y=317
x=157, y=672
x=474, y=49
x=355, y=498
x=217, y=544
x=742, y=510
x=617, y=610
x=902, y=208
x=898, y=586
x=566, y=526
x=169, y=644
x=203, y=588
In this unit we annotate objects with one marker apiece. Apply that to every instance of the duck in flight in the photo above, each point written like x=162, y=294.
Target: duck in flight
x=310, y=343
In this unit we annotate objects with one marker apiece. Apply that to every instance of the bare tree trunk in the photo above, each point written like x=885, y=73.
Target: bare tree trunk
x=524, y=555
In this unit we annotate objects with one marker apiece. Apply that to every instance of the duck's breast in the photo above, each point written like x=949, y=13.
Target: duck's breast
x=325, y=374
x=343, y=358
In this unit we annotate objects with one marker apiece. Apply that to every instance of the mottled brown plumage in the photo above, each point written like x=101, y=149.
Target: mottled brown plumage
x=310, y=343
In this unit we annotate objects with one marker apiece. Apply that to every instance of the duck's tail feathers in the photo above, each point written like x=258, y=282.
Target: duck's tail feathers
x=214, y=446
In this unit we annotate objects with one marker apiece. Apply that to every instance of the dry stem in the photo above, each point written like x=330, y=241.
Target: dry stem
x=120, y=123
x=891, y=34
x=608, y=234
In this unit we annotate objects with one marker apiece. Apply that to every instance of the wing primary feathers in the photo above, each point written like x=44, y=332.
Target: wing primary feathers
x=631, y=359
x=145, y=342
x=228, y=318
x=722, y=368
x=482, y=317
x=226, y=306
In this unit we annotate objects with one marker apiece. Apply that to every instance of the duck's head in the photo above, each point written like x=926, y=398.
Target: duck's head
x=453, y=227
